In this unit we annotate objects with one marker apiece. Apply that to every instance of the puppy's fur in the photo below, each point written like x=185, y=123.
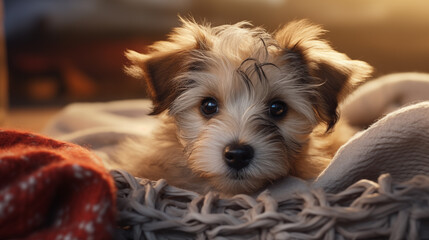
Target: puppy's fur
x=244, y=70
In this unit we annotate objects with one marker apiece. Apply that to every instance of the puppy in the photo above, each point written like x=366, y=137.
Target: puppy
x=238, y=105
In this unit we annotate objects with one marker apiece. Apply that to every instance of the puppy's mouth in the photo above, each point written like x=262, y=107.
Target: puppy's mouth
x=239, y=175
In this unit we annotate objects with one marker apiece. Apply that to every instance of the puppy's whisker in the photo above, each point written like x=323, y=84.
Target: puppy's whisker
x=268, y=64
x=260, y=72
x=257, y=68
x=265, y=46
x=247, y=60
x=246, y=79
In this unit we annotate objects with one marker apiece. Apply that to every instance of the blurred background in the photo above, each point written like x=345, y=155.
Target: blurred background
x=62, y=51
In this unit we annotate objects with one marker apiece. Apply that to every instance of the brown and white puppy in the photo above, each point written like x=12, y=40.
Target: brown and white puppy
x=238, y=105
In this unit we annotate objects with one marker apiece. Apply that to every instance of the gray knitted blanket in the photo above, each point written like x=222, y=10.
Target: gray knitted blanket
x=367, y=209
x=377, y=185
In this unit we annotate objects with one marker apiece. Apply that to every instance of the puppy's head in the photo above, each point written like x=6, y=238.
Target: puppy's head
x=245, y=101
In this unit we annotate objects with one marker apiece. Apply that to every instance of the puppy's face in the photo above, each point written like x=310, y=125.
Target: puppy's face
x=244, y=101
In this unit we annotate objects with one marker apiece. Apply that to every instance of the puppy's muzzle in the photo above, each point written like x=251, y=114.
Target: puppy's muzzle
x=238, y=156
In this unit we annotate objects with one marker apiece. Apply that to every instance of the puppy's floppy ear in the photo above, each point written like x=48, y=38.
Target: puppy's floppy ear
x=166, y=61
x=158, y=71
x=331, y=73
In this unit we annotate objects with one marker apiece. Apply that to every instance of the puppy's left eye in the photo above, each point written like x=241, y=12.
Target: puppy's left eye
x=209, y=106
x=277, y=109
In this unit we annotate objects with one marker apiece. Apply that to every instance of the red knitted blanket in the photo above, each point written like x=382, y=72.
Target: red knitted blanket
x=52, y=190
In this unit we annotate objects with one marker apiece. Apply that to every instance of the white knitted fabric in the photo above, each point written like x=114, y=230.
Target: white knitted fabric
x=397, y=144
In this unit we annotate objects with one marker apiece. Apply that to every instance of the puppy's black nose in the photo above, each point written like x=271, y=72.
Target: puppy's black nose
x=238, y=156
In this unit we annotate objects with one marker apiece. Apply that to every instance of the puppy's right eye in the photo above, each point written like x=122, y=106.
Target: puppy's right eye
x=209, y=107
x=277, y=109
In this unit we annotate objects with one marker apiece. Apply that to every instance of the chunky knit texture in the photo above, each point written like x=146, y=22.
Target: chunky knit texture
x=367, y=209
